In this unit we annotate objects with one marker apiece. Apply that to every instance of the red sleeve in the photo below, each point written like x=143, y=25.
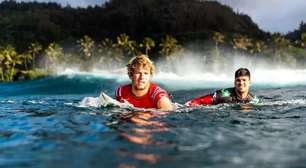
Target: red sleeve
x=158, y=94
x=204, y=100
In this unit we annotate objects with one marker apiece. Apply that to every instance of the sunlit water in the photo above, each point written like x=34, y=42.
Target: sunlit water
x=43, y=125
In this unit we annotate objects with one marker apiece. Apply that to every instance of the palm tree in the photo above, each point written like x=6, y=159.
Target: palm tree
x=242, y=42
x=107, y=43
x=87, y=46
x=124, y=42
x=281, y=42
x=171, y=50
x=218, y=39
x=217, y=60
x=53, y=53
x=16, y=60
x=5, y=58
x=9, y=59
x=34, y=49
x=2, y=59
x=105, y=47
x=169, y=45
x=110, y=53
x=147, y=44
x=258, y=47
x=281, y=45
x=27, y=58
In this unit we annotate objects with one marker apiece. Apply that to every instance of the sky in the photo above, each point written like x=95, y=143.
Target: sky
x=270, y=15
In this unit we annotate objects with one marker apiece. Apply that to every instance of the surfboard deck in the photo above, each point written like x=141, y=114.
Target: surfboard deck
x=107, y=101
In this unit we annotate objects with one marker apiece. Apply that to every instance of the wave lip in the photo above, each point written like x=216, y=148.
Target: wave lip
x=60, y=85
x=76, y=82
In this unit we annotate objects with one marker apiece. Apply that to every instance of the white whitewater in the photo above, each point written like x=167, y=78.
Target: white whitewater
x=201, y=80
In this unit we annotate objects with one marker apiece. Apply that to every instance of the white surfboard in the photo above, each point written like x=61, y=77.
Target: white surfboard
x=106, y=100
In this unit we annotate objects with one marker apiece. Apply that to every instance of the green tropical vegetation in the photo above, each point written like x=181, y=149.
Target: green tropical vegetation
x=36, y=37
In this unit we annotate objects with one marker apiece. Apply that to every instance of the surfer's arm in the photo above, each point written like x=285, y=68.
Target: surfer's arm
x=162, y=100
x=204, y=100
x=165, y=104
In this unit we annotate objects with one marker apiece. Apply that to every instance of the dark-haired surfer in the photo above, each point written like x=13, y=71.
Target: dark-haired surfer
x=238, y=94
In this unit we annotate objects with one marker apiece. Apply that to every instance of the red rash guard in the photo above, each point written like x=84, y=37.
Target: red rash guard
x=149, y=100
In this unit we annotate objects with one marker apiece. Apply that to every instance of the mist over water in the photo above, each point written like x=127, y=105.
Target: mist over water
x=193, y=71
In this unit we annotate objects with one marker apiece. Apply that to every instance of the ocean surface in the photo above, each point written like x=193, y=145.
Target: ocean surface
x=45, y=123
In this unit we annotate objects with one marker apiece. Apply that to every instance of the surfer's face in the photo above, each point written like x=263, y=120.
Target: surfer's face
x=141, y=78
x=242, y=84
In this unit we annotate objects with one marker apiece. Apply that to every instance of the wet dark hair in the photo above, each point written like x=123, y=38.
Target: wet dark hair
x=242, y=72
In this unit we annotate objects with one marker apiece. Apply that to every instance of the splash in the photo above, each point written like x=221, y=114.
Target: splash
x=285, y=102
x=201, y=80
x=197, y=71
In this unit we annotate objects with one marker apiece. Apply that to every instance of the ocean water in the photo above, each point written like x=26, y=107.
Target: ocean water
x=43, y=123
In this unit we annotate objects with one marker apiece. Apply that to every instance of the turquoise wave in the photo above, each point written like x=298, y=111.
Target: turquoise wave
x=95, y=83
x=58, y=85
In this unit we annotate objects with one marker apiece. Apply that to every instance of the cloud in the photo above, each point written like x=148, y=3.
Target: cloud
x=273, y=15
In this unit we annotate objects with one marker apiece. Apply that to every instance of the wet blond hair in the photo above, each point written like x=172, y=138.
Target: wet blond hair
x=140, y=61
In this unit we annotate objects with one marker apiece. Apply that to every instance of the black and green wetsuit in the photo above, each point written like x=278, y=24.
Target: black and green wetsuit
x=229, y=96
x=223, y=96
